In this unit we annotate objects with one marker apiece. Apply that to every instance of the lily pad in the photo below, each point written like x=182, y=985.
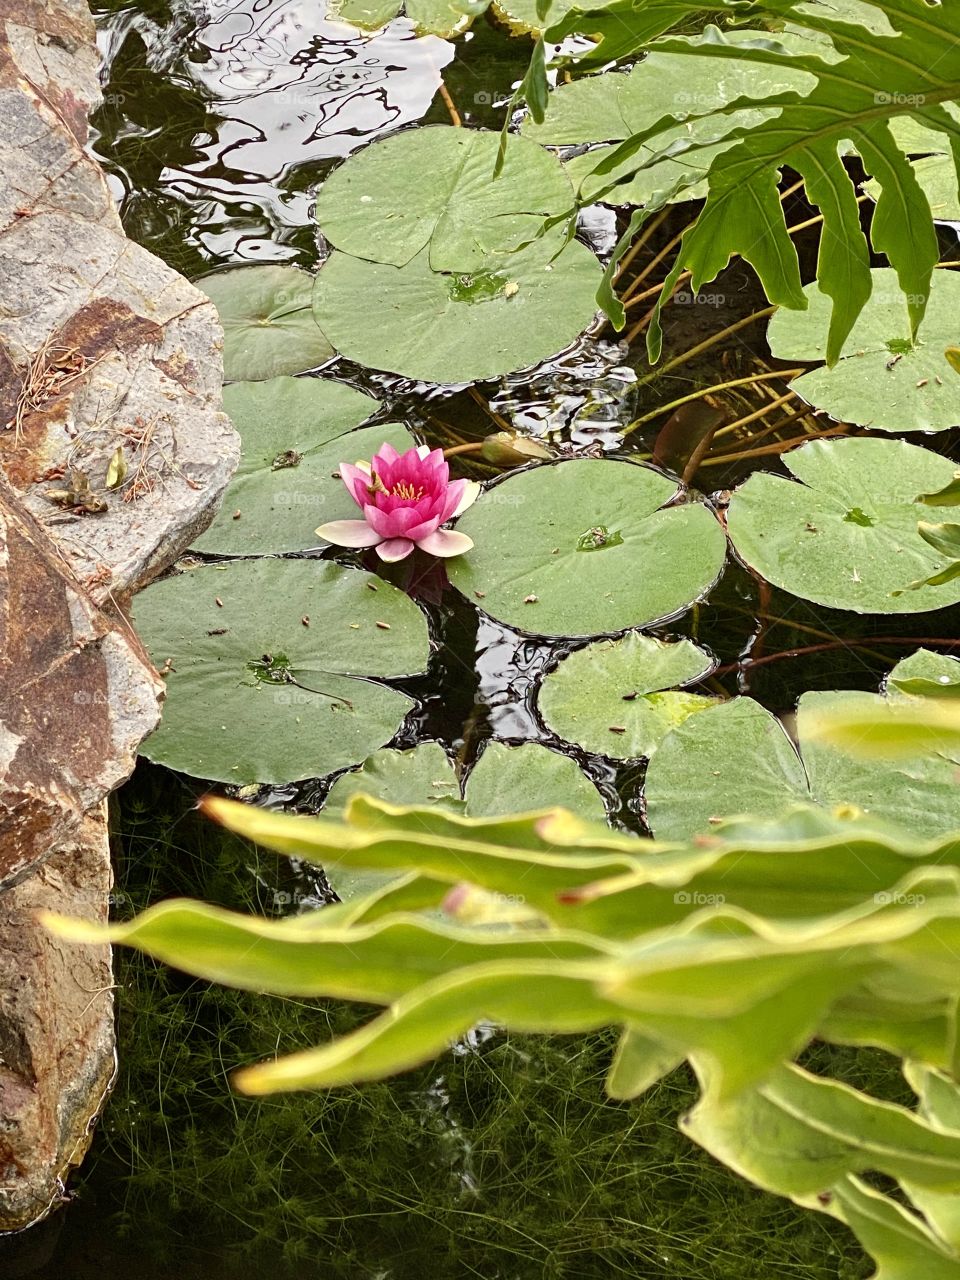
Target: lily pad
x=925, y=674
x=619, y=698
x=420, y=776
x=452, y=328
x=730, y=759
x=587, y=547
x=529, y=776
x=434, y=17
x=268, y=324
x=504, y=780
x=737, y=759
x=435, y=187
x=846, y=536
x=882, y=380
x=294, y=433
x=268, y=667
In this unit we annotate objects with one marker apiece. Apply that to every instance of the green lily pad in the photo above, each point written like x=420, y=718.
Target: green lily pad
x=619, y=698
x=529, y=776
x=294, y=433
x=268, y=324
x=734, y=758
x=916, y=139
x=461, y=327
x=434, y=17
x=882, y=380
x=737, y=759
x=232, y=715
x=925, y=674
x=423, y=775
x=504, y=780
x=846, y=536
x=587, y=547
x=435, y=187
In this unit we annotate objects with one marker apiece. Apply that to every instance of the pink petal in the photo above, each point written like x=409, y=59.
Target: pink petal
x=394, y=549
x=383, y=521
x=419, y=531
x=349, y=533
x=386, y=453
x=470, y=494
x=356, y=481
x=451, y=499
x=446, y=543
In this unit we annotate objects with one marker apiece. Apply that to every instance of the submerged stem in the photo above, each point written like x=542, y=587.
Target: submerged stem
x=705, y=391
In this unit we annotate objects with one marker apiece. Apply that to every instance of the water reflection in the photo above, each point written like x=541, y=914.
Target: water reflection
x=267, y=93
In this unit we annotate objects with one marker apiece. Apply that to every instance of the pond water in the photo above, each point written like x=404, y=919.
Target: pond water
x=505, y=1160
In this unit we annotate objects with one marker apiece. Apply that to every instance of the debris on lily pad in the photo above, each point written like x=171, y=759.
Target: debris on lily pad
x=254, y=694
x=540, y=535
x=844, y=532
x=620, y=697
x=883, y=380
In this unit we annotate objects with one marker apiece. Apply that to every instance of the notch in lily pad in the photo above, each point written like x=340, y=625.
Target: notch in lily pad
x=620, y=698
x=845, y=531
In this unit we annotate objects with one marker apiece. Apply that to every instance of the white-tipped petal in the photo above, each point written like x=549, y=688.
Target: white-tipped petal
x=423, y=450
x=446, y=543
x=470, y=494
x=349, y=533
x=394, y=549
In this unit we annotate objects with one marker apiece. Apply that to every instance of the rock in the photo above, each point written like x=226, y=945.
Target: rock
x=56, y=1025
x=77, y=696
x=114, y=455
x=102, y=346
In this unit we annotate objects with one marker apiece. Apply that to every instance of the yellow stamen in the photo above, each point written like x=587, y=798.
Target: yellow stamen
x=407, y=491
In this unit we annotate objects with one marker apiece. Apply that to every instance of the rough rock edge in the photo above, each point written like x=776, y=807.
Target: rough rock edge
x=100, y=345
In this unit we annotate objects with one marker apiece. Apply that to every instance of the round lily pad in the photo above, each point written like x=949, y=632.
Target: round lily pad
x=732, y=758
x=737, y=759
x=268, y=324
x=435, y=187
x=586, y=547
x=882, y=380
x=609, y=697
x=846, y=536
x=504, y=780
x=294, y=433
x=267, y=663
x=529, y=776
x=462, y=327
x=423, y=775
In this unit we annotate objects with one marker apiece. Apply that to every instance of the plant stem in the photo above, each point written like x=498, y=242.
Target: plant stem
x=641, y=241
x=450, y=105
x=781, y=446
x=759, y=413
x=705, y=391
x=707, y=343
x=830, y=644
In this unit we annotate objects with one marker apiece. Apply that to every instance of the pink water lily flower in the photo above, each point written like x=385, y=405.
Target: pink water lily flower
x=405, y=498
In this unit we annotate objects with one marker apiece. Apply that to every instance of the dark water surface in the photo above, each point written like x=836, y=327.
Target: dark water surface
x=504, y=1160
